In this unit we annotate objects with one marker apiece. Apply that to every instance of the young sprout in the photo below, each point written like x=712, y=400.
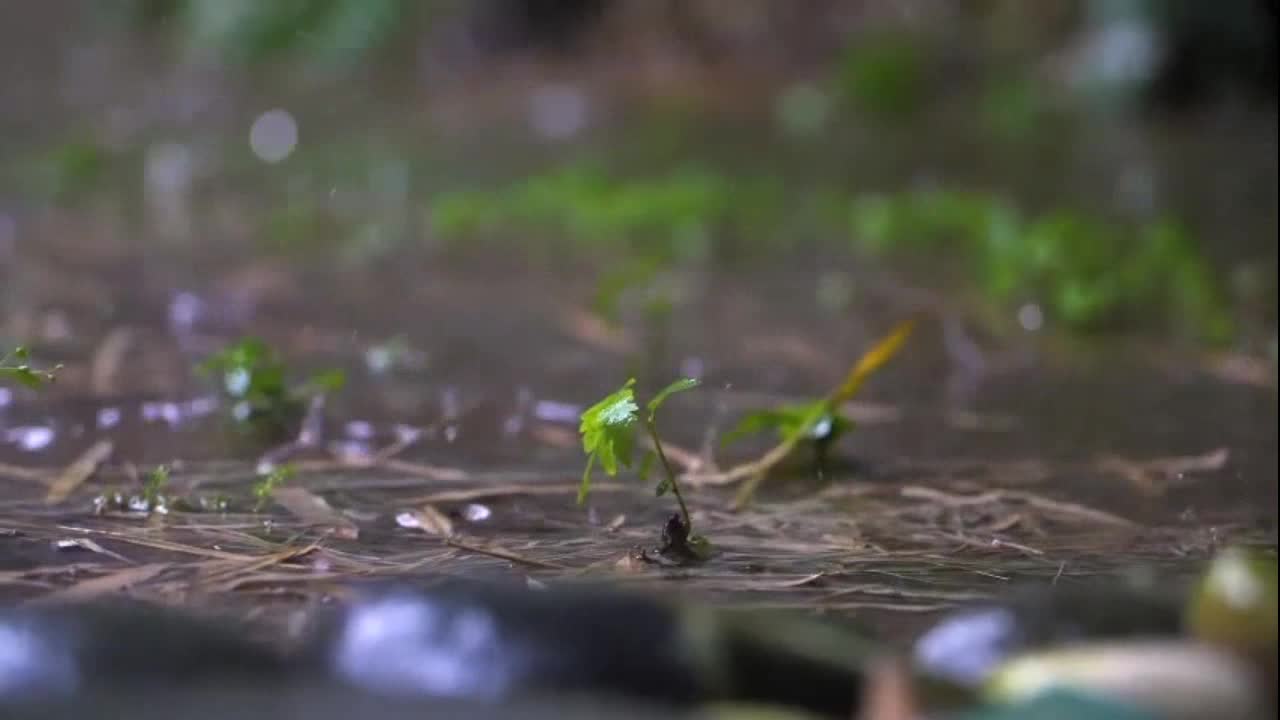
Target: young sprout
x=16, y=366
x=608, y=431
x=254, y=379
x=153, y=498
x=264, y=488
x=819, y=420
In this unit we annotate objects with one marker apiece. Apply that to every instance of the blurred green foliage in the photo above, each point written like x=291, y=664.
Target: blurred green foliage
x=1013, y=106
x=884, y=74
x=627, y=275
x=674, y=217
x=1087, y=272
x=253, y=30
x=254, y=380
x=1090, y=274
x=63, y=172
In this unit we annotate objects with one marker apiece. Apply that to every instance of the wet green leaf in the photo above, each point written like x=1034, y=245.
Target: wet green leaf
x=15, y=367
x=608, y=434
x=23, y=375
x=678, y=386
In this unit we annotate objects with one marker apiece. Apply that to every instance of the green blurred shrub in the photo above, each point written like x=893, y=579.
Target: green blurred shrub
x=1087, y=272
x=255, y=30
x=883, y=74
x=675, y=216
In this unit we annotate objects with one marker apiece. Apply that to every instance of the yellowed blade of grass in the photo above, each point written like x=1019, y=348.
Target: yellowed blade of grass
x=315, y=511
x=755, y=471
x=428, y=519
x=78, y=471
x=104, y=584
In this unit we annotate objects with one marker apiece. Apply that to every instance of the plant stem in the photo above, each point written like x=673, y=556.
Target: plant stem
x=671, y=475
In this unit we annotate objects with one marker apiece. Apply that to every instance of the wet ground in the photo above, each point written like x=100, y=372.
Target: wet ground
x=982, y=459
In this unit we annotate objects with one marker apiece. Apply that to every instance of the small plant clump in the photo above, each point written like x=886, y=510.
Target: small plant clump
x=1088, y=273
x=153, y=489
x=264, y=488
x=672, y=217
x=819, y=421
x=254, y=380
x=797, y=419
x=16, y=367
x=157, y=498
x=334, y=31
x=608, y=431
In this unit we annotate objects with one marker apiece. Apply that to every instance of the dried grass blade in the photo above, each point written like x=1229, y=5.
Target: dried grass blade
x=78, y=471
x=105, y=584
x=314, y=510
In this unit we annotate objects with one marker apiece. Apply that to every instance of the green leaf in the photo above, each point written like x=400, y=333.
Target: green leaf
x=803, y=422
x=664, y=486
x=23, y=375
x=22, y=372
x=254, y=378
x=608, y=433
x=785, y=420
x=676, y=387
x=751, y=424
x=155, y=484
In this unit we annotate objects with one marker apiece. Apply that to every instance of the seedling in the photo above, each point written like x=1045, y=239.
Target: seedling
x=254, y=379
x=16, y=366
x=819, y=420
x=153, y=489
x=156, y=497
x=792, y=419
x=608, y=431
x=263, y=489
